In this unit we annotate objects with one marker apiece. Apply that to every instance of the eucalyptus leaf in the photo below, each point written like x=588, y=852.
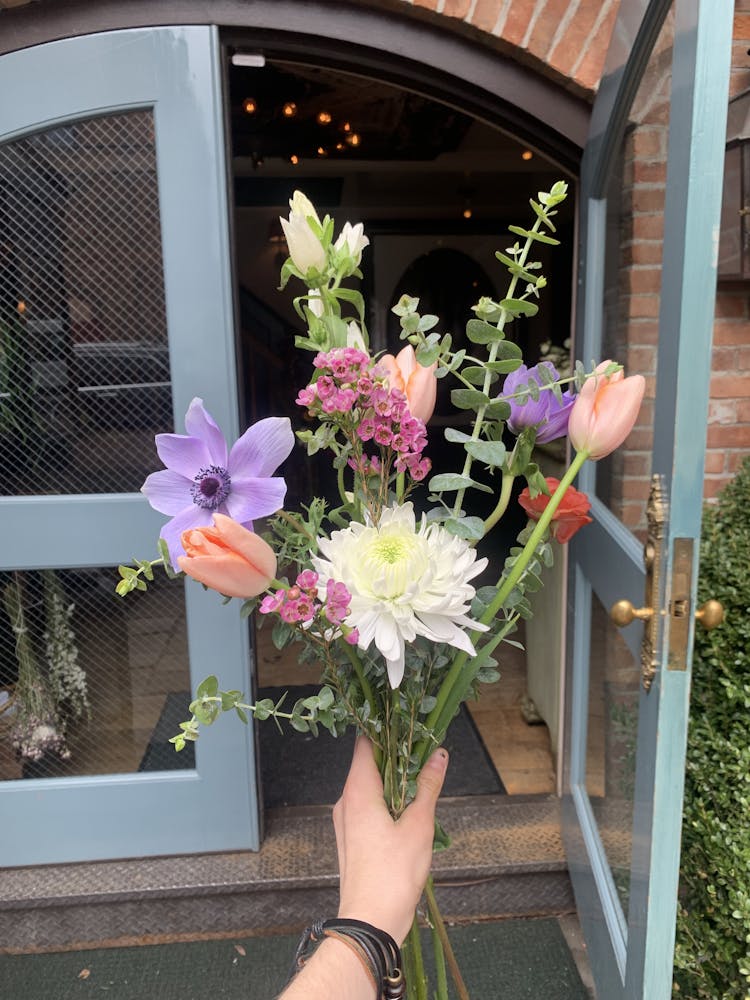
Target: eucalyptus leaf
x=490, y=453
x=469, y=399
x=480, y=332
x=470, y=528
x=520, y=307
x=456, y=436
x=449, y=481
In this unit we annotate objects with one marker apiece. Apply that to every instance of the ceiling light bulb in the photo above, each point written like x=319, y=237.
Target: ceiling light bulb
x=467, y=213
x=339, y=145
x=526, y=154
x=289, y=110
x=294, y=159
x=322, y=151
x=354, y=139
x=250, y=105
x=346, y=127
x=323, y=118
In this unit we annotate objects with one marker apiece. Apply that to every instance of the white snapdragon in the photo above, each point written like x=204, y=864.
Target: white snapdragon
x=353, y=239
x=305, y=248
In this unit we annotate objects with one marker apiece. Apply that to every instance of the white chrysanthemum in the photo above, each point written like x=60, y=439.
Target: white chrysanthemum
x=405, y=581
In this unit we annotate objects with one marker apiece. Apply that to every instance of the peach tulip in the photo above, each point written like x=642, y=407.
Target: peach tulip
x=228, y=558
x=604, y=412
x=418, y=384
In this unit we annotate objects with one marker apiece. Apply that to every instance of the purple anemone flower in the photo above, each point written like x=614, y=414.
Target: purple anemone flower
x=547, y=414
x=203, y=478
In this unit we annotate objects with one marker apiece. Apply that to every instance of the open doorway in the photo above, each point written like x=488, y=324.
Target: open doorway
x=436, y=190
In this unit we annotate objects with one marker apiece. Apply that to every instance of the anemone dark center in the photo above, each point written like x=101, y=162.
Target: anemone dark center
x=211, y=487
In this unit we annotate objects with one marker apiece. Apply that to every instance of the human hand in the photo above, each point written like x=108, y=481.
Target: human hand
x=384, y=863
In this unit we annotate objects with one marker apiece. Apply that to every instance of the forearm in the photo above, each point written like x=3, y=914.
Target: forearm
x=333, y=972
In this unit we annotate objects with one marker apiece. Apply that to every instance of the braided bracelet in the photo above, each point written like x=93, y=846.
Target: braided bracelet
x=377, y=951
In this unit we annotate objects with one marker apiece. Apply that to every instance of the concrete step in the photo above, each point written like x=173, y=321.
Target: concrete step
x=506, y=859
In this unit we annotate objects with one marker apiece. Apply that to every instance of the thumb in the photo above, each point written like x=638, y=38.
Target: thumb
x=430, y=781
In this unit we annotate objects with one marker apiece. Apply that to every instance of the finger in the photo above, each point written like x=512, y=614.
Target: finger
x=429, y=785
x=363, y=783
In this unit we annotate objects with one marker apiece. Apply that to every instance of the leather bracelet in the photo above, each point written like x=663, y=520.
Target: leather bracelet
x=376, y=949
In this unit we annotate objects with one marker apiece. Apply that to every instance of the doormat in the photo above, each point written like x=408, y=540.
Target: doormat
x=512, y=959
x=299, y=769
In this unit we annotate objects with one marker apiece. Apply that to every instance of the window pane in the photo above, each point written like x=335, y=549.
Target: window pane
x=84, y=361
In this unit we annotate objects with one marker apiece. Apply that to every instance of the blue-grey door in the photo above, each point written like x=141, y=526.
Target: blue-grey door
x=115, y=311
x=650, y=198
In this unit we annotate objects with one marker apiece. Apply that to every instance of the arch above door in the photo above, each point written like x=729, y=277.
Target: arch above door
x=401, y=48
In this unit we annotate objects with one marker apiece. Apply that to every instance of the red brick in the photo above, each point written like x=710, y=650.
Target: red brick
x=486, y=14
x=731, y=305
x=714, y=462
x=647, y=200
x=430, y=4
x=722, y=411
x=649, y=144
x=643, y=305
x=589, y=70
x=648, y=227
x=635, y=489
x=632, y=515
x=730, y=386
x=517, y=22
x=741, y=27
x=720, y=436
x=649, y=172
x=743, y=411
x=713, y=485
x=644, y=279
x=724, y=359
x=636, y=464
x=546, y=26
x=641, y=361
x=456, y=8
x=643, y=332
x=735, y=460
x=568, y=50
x=642, y=252
x=730, y=332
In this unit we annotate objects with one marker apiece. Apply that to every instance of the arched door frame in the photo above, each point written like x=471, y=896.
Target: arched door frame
x=398, y=48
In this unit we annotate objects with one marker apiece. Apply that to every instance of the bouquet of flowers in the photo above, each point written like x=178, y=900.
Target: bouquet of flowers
x=381, y=596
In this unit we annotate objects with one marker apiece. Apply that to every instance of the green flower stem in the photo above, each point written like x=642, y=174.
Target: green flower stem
x=441, y=986
x=457, y=667
x=417, y=981
x=366, y=691
x=341, y=486
x=502, y=503
x=400, y=483
x=443, y=948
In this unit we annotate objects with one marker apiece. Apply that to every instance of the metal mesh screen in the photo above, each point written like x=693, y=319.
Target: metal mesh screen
x=89, y=683
x=84, y=361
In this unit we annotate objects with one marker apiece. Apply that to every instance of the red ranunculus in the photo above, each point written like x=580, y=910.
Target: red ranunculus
x=571, y=515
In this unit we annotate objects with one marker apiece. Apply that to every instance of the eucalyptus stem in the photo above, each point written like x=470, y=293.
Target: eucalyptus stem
x=479, y=419
x=341, y=485
x=502, y=503
x=446, y=949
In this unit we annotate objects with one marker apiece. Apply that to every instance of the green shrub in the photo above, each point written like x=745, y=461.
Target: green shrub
x=712, y=958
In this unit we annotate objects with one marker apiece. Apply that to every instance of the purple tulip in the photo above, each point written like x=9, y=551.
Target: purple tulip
x=546, y=414
x=202, y=478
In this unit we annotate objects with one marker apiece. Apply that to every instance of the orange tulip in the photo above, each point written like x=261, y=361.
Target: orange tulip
x=228, y=558
x=418, y=384
x=604, y=412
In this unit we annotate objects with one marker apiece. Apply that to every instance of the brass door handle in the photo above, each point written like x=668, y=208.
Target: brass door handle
x=623, y=613
x=710, y=614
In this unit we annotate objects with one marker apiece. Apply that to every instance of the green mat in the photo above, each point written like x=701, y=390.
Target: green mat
x=507, y=960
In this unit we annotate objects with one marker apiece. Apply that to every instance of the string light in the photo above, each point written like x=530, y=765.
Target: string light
x=323, y=118
x=354, y=139
x=294, y=159
x=527, y=154
x=250, y=105
x=322, y=151
x=289, y=110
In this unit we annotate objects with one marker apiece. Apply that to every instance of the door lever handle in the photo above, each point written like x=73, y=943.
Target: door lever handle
x=623, y=613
